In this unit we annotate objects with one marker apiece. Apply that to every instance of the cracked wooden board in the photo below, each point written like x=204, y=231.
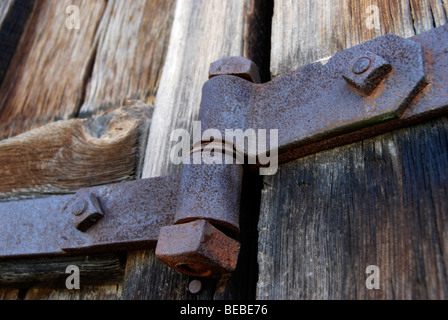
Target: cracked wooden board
x=47, y=74
x=327, y=216
x=99, y=269
x=118, y=46
x=383, y=201
x=133, y=39
x=307, y=31
x=67, y=155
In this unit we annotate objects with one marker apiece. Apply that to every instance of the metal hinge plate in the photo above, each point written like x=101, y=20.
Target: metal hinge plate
x=133, y=213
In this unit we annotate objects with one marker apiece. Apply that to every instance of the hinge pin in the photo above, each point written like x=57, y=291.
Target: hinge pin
x=200, y=242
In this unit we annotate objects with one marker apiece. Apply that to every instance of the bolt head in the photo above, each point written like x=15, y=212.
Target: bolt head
x=90, y=214
x=367, y=71
x=78, y=208
x=361, y=65
x=235, y=66
x=197, y=249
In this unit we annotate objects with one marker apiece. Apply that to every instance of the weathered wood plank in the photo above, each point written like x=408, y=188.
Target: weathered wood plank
x=67, y=155
x=305, y=31
x=9, y=294
x=428, y=14
x=381, y=202
x=131, y=53
x=48, y=72
x=50, y=273
x=13, y=18
x=203, y=31
x=132, y=39
x=111, y=292
x=326, y=217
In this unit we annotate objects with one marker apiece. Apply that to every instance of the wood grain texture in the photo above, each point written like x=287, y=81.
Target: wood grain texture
x=381, y=202
x=48, y=72
x=50, y=273
x=131, y=52
x=306, y=31
x=9, y=294
x=203, y=31
x=125, y=59
x=326, y=217
x=67, y=155
x=110, y=292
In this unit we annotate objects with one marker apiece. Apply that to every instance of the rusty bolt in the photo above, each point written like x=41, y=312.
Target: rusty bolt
x=367, y=72
x=78, y=208
x=90, y=214
x=195, y=286
x=361, y=65
x=197, y=249
x=235, y=66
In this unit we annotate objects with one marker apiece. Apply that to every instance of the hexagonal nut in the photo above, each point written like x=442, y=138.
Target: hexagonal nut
x=367, y=71
x=197, y=249
x=235, y=66
x=90, y=215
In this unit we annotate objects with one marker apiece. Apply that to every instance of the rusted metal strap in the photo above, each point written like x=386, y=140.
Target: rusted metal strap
x=375, y=87
x=125, y=216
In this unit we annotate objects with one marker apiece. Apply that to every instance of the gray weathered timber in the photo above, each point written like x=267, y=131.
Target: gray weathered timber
x=64, y=156
x=99, y=269
x=133, y=38
x=89, y=292
x=383, y=201
x=327, y=215
x=114, y=50
x=305, y=31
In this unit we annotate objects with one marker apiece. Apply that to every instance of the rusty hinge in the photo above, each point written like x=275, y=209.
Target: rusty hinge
x=378, y=86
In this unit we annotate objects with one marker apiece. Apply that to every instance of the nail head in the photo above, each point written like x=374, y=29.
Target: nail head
x=195, y=286
x=78, y=208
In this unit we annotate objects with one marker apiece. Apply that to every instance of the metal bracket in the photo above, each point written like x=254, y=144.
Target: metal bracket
x=378, y=86
x=389, y=80
x=133, y=213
